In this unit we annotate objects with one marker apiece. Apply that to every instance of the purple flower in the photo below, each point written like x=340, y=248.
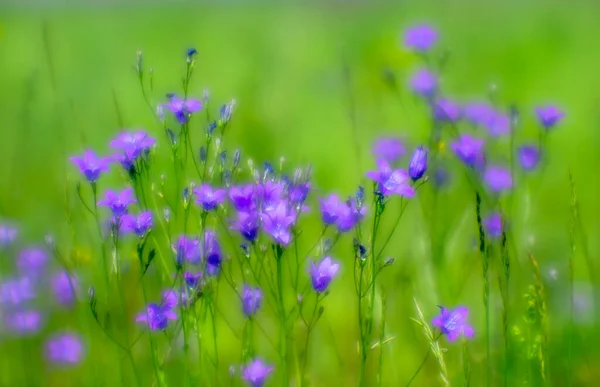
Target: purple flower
x=299, y=193
x=322, y=274
x=251, y=300
x=391, y=181
x=469, y=150
x=32, y=260
x=256, y=372
x=209, y=198
x=7, y=235
x=212, y=253
x=330, y=209
x=479, y=113
x=549, y=115
x=243, y=197
x=270, y=194
x=453, y=323
x=424, y=83
x=420, y=38
x=445, y=110
x=187, y=249
x=529, y=155
x=118, y=202
x=349, y=215
x=247, y=223
x=418, y=164
x=389, y=149
x=23, y=321
x=192, y=280
x=172, y=297
x=493, y=225
x=131, y=145
x=17, y=291
x=498, y=178
x=64, y=349
x=91, y=165
x=64, y=288
x=277, y=223
x=183, y=109
x=138, y=225
x=157, y=317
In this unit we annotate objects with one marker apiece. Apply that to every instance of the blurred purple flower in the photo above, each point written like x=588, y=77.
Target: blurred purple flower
x=389, y=149
x=183, y=109
x=208, y=197
x=64, y=288
x=321, y=274
x=192, y=280
x=23, y=321
x=91, y=165
x=255, y=373
x=453, y=323
x=299, y=192
x=270, y=194
x=330, y=209
x=243, y=197
x=479, y=113
x=277, y=223
x=349, y=215
x=118, y=202
x=131, y=145
x=247, y=224
x=7, y=235
x=32, y=260
x=549, y=115
x=391, y=181
x=157, y=317
x=64, y=349
x=171, y=299
x=424, y=83
x=187, y=250
x=16, y=291
x=498, y=178
x=493, y=225
x=251, y=300
x=420, y=38
x=469, y=150
x=529, y=156
x=445, y=110
x=418, y=163
x=139, y=225
x=212, y=253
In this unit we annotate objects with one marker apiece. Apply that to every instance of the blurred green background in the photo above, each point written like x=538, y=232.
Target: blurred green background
x=67, y=82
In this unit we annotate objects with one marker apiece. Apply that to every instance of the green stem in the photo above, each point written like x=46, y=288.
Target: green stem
x=282, y=316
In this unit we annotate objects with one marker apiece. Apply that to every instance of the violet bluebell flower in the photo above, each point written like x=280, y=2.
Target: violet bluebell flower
x=91, y=165
x=24, y=322
x=212, y=253
x=157, y=317
x=322, y=273
x=183, y=109
x=139, y=225
x=187, y=250
x=424, y=83
x=131, y=144
x=7, y=235
x=171, y=299
x=17, y=291
x=251, y=300
x=418, y=164
x=549, y=115
x=64, y=287
x=192, y=280
x=389, y=149
x=453, y=323
x=32, y=260
x=243, y=197
x=208, y=197
x=478, y=113
x=277, y=223
x=299, y=192
x=498, y=178
x=420, y=38
x=247, y=224
x=391, y=181
x=446, y=110
x=270, y=194
x=330, y=209
x=493, y=225
x=349, y=215
x=64, y=349
x=118, y=202
x=498, y=124
x=256, y=372
x=469, y=149
x=529, y=156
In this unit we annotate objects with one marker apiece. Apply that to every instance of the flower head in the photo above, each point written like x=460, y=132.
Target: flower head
x=391, y=181
x=7, y=235
x=270, y=194
x=498, y=178
x=277, y=222
x=247, y=224
x=64, y=349
x=256, y=372
x=16, y=291
x=32, y=260
x=91, y=165
x=349, y=215
x=445, y=110
x=192, y=280
x=212, y=253
x=418, y=164
x=389, y=149
x=208, y=197
x=549, y=115
x=243, y=197
x=299, y=192
x=131, y=145
x=420, y=38
x=187, y=249
x=424, y=83
x=118, y=202
x=330, y=209
x=183, y=109
x=529, y=156
x=322, y=273
x=157, y=317
x=251, y=300
x=453, y=323
x=64, y=287
x=23, y=321
x=139, y=225
x=493, y=225
x=478, y=113
x=469, y=150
